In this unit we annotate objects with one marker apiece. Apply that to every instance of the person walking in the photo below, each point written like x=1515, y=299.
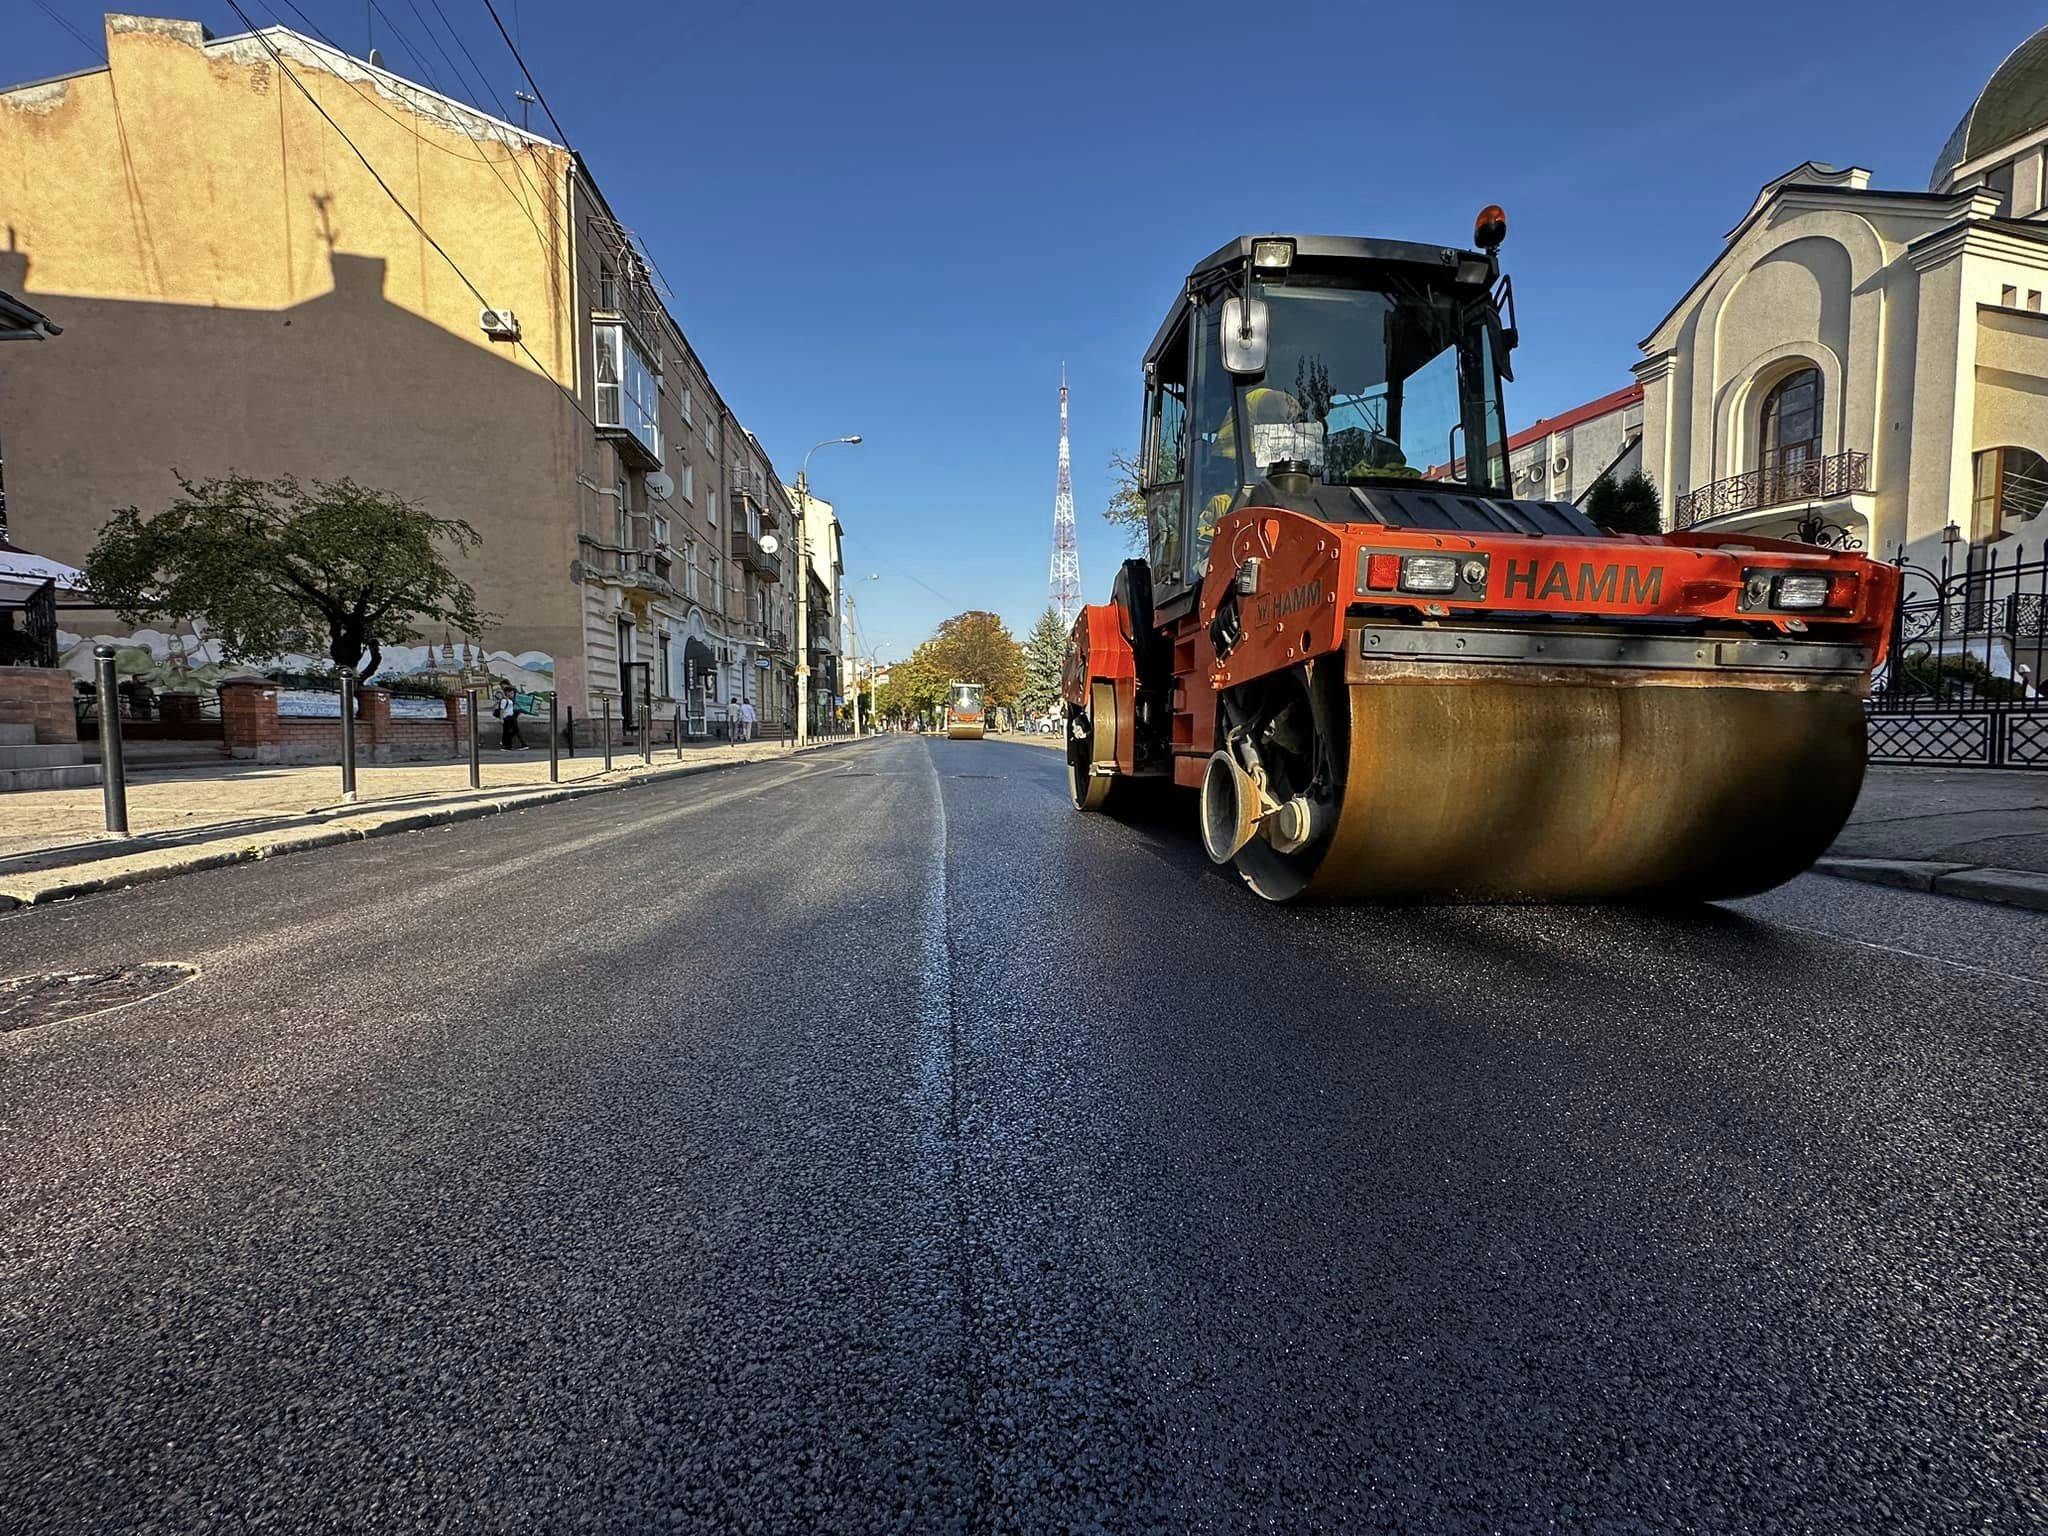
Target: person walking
x=508, y=720
x=748, y=719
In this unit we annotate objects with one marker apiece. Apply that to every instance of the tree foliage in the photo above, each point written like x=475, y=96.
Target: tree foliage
x=975, y=647
x=1627, y=506
x=1126, y=507
x=276, y=567
x=1044, y=654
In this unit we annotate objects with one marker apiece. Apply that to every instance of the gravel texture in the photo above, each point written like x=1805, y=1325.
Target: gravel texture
x=869, y=1143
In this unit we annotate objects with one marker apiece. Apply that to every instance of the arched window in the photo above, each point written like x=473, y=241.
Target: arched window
x=1790, y=435
x=2012, y=488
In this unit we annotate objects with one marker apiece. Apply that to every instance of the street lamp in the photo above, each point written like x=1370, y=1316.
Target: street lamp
x=803, y=593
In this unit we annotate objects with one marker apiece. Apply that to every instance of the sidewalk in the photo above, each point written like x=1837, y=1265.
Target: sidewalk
x=1975, y=832
x=199, y=817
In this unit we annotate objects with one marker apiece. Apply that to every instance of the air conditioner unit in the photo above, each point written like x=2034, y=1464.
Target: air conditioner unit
x=499, y=324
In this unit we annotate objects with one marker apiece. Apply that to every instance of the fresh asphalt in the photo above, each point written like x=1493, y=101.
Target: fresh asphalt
x=867, y=1142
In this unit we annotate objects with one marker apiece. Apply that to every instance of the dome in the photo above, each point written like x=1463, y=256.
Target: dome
x=2013, y=104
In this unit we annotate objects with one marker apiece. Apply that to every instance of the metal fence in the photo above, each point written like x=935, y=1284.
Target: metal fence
x=34, y=619
x=1963, y=686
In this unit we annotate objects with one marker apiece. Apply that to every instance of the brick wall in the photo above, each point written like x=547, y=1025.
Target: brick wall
x=252, y=729
x=41, y=697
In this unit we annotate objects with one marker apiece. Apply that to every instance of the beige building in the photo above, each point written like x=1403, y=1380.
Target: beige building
x=1869, y=367
x=824, y=553
x=248, y=298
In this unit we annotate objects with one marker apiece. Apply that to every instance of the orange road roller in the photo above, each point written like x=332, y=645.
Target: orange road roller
x=1388, y=679
x=966, y=718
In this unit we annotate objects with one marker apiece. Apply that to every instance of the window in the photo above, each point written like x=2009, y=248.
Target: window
x=2011, y=489
x=689, y=483
x=692, y=420
x=660, y=532
x=1999, y=180
x=607, y=288
x=628, y=394
x=690, y=569
x=2009, y=297
x=711, y=440
x=1791, y=422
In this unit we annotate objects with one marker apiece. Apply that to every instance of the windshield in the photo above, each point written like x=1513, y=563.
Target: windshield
x=1362, y=384
x=967, y=698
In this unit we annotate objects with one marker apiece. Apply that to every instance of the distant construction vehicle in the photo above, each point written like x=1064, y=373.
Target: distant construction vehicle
x=1388, y=679
x=966, y=719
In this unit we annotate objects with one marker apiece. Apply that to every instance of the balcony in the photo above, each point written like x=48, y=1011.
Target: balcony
x=769, y=514
x=747, y=550
x=1758, y=490
x=649, y=568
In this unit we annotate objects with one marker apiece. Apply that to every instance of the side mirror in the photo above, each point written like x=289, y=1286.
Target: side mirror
x=1246, y=326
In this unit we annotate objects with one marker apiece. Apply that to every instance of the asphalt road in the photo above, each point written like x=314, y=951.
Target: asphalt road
x=866, y=1142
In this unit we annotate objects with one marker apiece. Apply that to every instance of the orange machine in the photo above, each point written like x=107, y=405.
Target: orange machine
x=1390, y=680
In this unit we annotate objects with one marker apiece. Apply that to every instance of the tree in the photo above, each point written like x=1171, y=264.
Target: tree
x=974, y=647
x=274, y=567
x=1126, y=507
x=1045, y=653
x=1630, y=506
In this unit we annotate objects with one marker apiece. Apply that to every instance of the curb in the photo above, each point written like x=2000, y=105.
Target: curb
x=1972, y=882
x=357, y=825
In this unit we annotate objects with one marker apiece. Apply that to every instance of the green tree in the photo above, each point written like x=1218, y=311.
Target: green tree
x=975, y=647
x=1126, y=508
x=1627, y=506
x=1045, y=653
x=272, y=567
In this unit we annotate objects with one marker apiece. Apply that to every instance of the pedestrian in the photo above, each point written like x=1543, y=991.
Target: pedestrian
x=508, y=720
x=748, y=719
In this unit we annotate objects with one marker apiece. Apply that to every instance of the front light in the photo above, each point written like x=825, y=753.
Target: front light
x=1429, y=573
x=1272, y=255
x=1802, y=592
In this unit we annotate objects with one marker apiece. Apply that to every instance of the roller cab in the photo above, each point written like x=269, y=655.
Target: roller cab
x=966, y=718
x=1389, y=680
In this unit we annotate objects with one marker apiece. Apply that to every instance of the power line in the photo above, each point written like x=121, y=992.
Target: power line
x=90, y=47
x=412, y=219
x=538, y=94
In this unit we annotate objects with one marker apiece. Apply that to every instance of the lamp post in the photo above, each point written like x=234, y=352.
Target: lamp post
x=803, y=593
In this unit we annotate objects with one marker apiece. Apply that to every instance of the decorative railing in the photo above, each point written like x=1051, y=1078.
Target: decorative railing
x=1969, y=639
x=754, y=557
x=1809, y=480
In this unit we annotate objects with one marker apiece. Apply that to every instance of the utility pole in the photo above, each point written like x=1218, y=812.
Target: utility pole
x=853, y=630
x=803, y=593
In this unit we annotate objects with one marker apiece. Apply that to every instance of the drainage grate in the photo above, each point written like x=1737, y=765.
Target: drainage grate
x=26, y=1001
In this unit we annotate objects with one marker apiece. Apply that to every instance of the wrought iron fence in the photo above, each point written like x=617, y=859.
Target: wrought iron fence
x=1814, y=479
x=1963, y=684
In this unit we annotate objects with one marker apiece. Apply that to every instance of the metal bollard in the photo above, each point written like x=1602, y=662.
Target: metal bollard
x=607, y=733
x=646, y=717
x=348, y=735
x=113, y=775
x=554, y=739
x=476, y=763
x=679, y=733
x=572, y=730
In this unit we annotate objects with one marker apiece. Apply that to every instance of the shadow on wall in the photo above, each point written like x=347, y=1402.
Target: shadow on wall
x=347, y=383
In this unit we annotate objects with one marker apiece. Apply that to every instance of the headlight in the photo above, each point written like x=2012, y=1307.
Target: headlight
x=1429, y=573
x=1801, y=592
x=1272, y=255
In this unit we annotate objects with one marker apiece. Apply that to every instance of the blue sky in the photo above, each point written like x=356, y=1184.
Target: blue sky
x=900, y=219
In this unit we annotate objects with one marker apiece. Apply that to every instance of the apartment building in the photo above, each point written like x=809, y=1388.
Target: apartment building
x=249, y=298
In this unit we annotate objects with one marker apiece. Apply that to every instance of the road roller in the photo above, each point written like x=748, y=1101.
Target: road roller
x=966, y=719
x=1385, y=677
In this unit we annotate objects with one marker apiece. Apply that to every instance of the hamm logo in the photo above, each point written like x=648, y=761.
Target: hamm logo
x=1586, y=582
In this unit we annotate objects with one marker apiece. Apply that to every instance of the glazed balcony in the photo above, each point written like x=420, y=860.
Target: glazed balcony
x=748, y=551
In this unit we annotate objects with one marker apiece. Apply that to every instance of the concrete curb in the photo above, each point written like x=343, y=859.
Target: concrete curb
x=2007, y=887
x=344, y=825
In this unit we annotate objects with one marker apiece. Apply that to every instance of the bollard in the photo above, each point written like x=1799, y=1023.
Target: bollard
x=554, y=739
x=572, y=730
x=607, y=733
x=348, y=735
x=476, y=763
x=679, y=733
x=647, y=716
x=113, y=775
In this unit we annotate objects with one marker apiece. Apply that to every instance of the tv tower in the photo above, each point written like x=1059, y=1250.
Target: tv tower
x=1063, y=591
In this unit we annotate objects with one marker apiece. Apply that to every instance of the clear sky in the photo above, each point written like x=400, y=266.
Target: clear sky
x=900, y=219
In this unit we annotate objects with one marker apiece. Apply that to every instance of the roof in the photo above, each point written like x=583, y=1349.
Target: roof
x=1592, y=410
x=18, y=565
x=2013, y=104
